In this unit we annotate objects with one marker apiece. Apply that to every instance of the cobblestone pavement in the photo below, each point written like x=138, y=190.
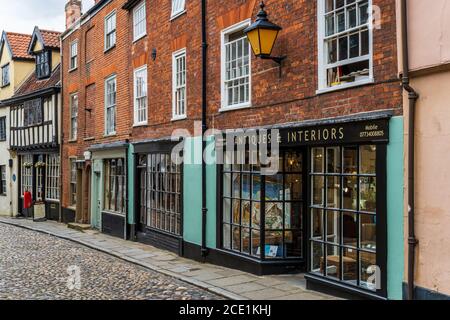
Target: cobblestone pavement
x=37, y=266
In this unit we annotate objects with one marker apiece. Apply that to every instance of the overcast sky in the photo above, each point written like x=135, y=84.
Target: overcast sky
x=23, y=15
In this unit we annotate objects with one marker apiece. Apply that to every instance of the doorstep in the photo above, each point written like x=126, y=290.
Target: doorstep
x=231, y=284
x=79, y=226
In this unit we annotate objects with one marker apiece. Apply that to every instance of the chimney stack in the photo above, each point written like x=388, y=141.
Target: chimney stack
x=73, y=12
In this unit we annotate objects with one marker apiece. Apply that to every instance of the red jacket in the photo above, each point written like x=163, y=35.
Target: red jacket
x=27, y=200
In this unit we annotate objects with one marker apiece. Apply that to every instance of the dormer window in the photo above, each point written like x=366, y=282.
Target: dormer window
x=43, y=64
x=5, y=75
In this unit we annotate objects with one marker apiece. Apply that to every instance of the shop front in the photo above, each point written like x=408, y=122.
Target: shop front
x=39, y=180
x=109, y=192
x=323, y=212
x=158, y=191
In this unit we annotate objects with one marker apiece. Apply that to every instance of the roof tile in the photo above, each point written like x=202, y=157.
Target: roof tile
x=19, y=44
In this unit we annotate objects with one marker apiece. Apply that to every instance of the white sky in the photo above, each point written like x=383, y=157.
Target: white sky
x=23, y=15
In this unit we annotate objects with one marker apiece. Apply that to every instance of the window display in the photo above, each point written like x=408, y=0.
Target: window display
x=279, y=198
x=343, y=230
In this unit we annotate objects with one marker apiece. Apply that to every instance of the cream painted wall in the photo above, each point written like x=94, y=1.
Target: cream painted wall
x=432, y=192
x=22, y=70
x=5, y=201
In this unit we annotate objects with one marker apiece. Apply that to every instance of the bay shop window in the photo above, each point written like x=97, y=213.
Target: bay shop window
x=323, y=211
x=262, y=216
x=345, y=42
x=160, y=193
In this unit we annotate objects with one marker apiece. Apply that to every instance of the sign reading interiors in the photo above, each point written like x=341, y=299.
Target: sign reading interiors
x=375, y=131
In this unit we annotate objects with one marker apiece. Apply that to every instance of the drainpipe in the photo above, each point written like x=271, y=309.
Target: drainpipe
x=204, y=128
x=412, y=98
x=61, y=134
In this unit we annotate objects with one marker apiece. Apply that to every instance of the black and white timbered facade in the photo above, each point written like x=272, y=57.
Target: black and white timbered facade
x=35, y=134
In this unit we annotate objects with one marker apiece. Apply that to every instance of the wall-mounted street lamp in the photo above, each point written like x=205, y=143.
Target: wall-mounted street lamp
x=262, y=35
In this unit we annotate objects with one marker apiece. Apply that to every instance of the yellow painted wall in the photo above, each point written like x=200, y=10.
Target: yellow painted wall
x=22, y=70
x=56, y=59
x=8, y=91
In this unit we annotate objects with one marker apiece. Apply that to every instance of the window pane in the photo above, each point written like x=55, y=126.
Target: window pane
x=293, y=215
x=227, y=210
x=317, y=224
x=333, y=160
x=369, y=268
x=318, y=160
x=350, y=273
x=350, y=229
x=368, y=231
x=334, y=192
x=368, y=159
x=368, y=194
x=256, y=214
x=274, y=215
x=333, y=227
x=246, y=208
x=350, y=193
x=350, y=160
x=274, y=244
x=274, y=187
x=293, y=243
x=317, y=189
x=256, y=243
x=317, y=257
x=293, y=187
x=333, y=261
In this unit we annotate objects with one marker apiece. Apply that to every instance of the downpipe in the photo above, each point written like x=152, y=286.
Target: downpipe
x=413, y=96
x=204, y=213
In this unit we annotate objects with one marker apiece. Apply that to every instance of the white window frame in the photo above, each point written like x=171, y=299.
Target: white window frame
x=224, y=105
x=136, y=104
x=53, y=177
x=107, y=80
x=73, y=64
x=177, y=11
x=137, y=36
x=322, y=55
x=109, y=16
x=175, y=56
x=74, y=130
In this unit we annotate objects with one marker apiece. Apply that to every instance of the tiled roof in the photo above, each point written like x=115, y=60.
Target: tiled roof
x=33, y=84
x=19, y=44
x=51, y=38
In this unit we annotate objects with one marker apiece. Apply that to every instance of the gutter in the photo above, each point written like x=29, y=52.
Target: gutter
x=412, y=98
x=204, y=250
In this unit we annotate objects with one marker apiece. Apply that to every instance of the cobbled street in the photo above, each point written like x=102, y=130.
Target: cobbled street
x=38, y=266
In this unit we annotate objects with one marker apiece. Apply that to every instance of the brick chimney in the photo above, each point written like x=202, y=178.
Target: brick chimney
x=73, y=12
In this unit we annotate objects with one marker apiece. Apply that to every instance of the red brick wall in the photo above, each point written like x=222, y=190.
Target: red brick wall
x=293, y=96
x=94, y=66
x=275, y=100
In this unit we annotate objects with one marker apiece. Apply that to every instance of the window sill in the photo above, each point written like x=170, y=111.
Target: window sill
x=107, y=50
x=89, y=139
x=5, y=85
x=235, y=107
x=109, y=135
x=177, y=15
x=73, y=141
x=346, y=86
x=139, y=38
x=137, y=125
x=72, y=70
x=180, y=118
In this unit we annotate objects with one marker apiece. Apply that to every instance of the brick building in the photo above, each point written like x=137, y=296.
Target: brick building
x=335, y=107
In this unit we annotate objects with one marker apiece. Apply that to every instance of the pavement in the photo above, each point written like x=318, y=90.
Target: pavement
x=216, y=281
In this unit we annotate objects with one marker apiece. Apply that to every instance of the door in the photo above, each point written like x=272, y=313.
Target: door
x=96, y=201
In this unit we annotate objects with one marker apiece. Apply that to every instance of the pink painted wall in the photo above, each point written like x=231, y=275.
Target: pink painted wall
x=429, y=33
x=429, y=47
